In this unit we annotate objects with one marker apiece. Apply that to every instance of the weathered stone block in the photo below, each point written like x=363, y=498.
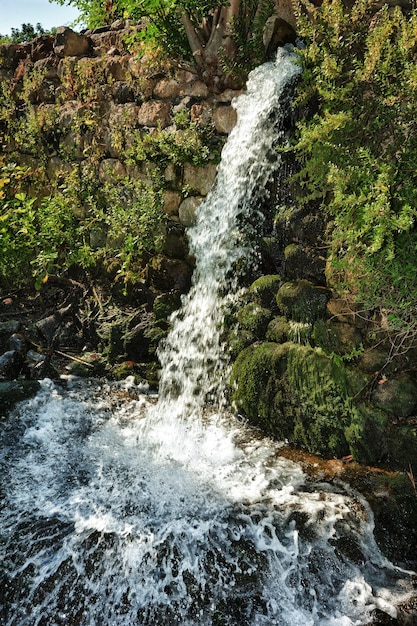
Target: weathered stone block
x=200, y=178
x=187, y=210
x=225, y=118
x=154, y=113
x=69, y=44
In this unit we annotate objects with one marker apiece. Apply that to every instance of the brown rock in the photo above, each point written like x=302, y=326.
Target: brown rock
x=225, y=118
x=187, y=210
x=111, y=169
x=201, y=114
x=198, y=178
x=69, y=44
x=42, y=47
x=167, y=88
x=195, y=89
x=116, y=68
x=154, y=113
x=171, y=200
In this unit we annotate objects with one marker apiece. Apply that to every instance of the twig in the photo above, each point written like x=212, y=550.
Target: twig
x=74, y=358
x=412, y=479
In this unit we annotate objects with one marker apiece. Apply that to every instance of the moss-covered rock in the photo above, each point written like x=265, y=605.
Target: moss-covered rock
x=278, y=330
x=254, y=318
x=265, y=289
x=238, y=339
x=294, y=392
x=339, y=338
x=402, y=447
x=255, y=380
x=397, y=396
x=367, y=434
x=302, y=301
x=165, y=304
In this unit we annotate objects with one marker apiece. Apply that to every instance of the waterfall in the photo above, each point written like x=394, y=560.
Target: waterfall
x=193, y=359
x=121, y=509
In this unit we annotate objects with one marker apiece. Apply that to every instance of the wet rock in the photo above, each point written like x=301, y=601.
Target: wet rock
x=397, y=396
x=302, y=301
x=165, y=304
x=18, y=342
x=265, y=289
x=277, y=32
x=11, y=365
x=48, y=327
x=9, y=327
x=13, y=392
x=296, y=393
x=254, y=318
x=187, y=210
x=167, y=274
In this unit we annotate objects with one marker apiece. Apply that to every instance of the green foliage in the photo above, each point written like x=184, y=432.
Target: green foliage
x=359, y=149
x=186, y=142
x=95, y=13
x=42, y=235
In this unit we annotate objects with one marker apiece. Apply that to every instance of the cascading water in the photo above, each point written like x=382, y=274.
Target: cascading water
x=121, y=510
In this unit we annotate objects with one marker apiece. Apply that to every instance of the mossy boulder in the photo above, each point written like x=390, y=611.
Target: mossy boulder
x=278, y=330
x=397, y=396
x=294, y=392
x=265, y=289
x=367, y=434
x=165, y=304
x=257, y=392
x=238, y=339
x=302, y=301
x=254, y=318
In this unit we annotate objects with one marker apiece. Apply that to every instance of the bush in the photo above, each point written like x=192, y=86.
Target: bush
x=358, y=151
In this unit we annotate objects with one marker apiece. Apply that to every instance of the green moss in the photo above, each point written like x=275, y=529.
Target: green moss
x=278, y=330
x=165, y=304
x=256, y=390
x=265, y=289
x=320, y=402
x=294, y=392
x=302, y=301
x=366, y=434
x=254, y=318
x=238, y=340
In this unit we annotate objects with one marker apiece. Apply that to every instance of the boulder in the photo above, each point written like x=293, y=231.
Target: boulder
x=187, y=210
x=200, y=178
x=302, y=301
x=265, y=289
x=69, y=44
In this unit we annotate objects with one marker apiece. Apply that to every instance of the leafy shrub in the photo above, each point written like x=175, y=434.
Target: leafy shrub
x=358, y=150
